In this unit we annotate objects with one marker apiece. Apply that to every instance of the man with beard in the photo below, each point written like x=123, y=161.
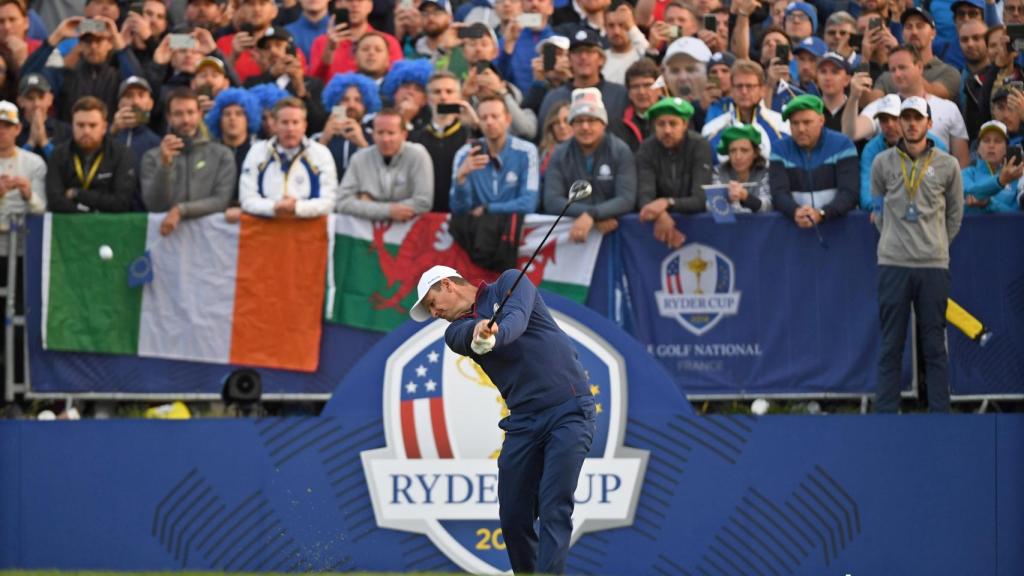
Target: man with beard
x=922, y=208
x=91, y=172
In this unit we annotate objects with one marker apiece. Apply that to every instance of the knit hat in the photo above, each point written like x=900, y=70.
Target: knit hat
x=807, y=9
x=734, y=133
x=803, y=102
x=673, y=106
x=587, y=102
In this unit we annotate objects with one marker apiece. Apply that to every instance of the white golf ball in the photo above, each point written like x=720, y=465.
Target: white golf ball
x=759, y=406
x=106, y=252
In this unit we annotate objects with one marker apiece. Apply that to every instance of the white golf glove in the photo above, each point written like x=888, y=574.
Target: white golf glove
x=483, y=345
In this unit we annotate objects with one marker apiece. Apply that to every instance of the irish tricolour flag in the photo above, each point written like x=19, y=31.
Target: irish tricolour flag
x=377, y=265
x=249, y=293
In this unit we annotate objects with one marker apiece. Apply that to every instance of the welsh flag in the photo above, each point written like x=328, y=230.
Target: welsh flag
x=249, y=293
x=377, y=265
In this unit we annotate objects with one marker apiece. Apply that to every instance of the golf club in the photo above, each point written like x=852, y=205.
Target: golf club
x=579, y=190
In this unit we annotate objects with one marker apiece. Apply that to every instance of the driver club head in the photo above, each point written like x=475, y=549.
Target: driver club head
x=579, y=190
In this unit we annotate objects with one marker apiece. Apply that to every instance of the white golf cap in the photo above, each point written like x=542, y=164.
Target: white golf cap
x=559, y=41
x=994, y=126
x=419, y=312
x=9, y=113
x=917, y=104
x=889, y=104
x=691, y=47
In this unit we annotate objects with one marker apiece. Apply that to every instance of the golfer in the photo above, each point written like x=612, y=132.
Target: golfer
x=552, y=421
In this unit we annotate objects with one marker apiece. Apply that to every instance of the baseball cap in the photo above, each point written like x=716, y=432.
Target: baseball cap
x=994, y=126
x=587, y=102
x=211, y=61
x=134, y=82
x=834, y=58
x=689, y=46
x=31, y=82
x=917, y=11
x=479, y=30
x=439, y=4
x=979, y=4
x=9, y=113
x=889, y=104
x=559, y=41
x=1001, y=93
x=585, y=36
x=917, y=104
x=722, y=59
x=274, y=33
x=419, y=312
x=811, y=44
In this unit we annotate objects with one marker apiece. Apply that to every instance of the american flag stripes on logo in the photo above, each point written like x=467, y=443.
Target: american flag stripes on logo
x=424, y=430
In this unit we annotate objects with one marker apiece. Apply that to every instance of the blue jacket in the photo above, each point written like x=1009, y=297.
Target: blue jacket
x=825, y=177
x=512, y=184
x=305, y=32
x=982, y=182
x=516, y=67
x=867, y=156
x=534, y=364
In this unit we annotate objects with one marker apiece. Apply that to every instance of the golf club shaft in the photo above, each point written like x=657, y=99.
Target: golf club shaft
x=528, y=262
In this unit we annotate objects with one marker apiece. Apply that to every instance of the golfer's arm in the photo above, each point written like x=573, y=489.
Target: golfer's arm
x=459, y=336
x=516, y=313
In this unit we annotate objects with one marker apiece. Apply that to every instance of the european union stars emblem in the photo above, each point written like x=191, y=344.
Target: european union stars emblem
x=140, y=271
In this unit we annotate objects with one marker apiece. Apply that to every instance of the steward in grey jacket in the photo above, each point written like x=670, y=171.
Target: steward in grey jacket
x=200, y=180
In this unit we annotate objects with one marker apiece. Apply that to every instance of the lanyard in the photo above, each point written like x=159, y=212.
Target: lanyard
x=82, y=177
x=917, y=169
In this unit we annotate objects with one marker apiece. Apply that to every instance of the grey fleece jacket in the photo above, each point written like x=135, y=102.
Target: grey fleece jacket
x=408, y=179
x=940, y=202
x=200, y=181
x=611, y=171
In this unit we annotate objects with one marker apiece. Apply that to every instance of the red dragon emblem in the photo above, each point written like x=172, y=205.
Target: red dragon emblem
x=428, y=243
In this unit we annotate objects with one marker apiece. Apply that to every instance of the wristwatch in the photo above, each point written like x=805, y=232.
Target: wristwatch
x=821, y=212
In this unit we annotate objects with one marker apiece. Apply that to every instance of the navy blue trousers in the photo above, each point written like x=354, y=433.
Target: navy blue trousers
x=926, y=289
x=538, y=470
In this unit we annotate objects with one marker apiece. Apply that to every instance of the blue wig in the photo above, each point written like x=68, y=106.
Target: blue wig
x=336, y=88
x=268, y=94
x=406, y=72
x=231, y=97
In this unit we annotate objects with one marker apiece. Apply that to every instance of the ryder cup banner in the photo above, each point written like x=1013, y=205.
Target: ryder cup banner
x=438, y=474
x=756, y=307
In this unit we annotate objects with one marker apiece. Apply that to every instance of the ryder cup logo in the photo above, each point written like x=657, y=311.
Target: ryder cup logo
x=438, y=474
x=697, y=284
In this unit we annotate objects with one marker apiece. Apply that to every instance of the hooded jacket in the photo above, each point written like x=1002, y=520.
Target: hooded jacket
x=111, y=189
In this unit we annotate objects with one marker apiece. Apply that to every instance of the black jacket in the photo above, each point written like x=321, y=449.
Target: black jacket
x=111, y=190
x=101, y=81
x=676, y=173
x=442, y=147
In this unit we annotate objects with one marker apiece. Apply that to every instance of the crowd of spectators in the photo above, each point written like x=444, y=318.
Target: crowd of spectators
x=300, y=108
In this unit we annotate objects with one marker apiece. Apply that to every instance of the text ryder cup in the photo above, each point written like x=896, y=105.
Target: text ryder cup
x=423, y=489
x=727, y=303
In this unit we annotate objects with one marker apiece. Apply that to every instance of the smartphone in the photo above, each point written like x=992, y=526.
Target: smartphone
x=713, y=81
x=141, y=116
x=340, y=111
x=449, y=109
x=465, y=32
x=205, y=90
x=290, y=50
x=856, y=41
x=1016, y=153
x=864, y=67
x=482, y=66
x=782, y=53
x=710, y=23
x=550, y=53
x=340, y=16
x=529, y=20
x=406, y=3
x=674, y=32
x=248, y=28
x=136, y=7
x=90, y=26
x=1014, y=85
x=182, y=42
x=874, y=23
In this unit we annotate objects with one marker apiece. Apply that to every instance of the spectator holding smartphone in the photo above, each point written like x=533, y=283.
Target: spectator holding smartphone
x=351, y=100
x=992, y=181
x=131, y=121
x=332, y=53
x=626, y=43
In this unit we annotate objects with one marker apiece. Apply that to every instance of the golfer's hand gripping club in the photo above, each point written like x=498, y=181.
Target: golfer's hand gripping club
x=483, y=336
